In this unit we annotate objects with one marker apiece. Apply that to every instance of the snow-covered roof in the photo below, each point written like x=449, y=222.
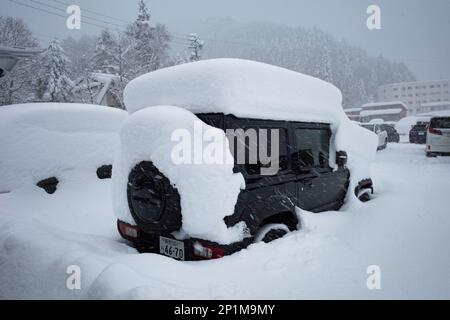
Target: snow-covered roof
x=240, y=87
x=444, y=113
x=104, y=77
x=436, y=104
x=384, y=104
x=369, y=113
x=352, y=110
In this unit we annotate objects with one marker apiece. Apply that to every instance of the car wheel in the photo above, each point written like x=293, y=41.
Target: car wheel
x=152, y=200
x=431, y=155
x=271, y=232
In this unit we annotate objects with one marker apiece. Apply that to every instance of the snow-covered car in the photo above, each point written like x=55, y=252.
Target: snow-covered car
x=393, y=135
x=438, y=137
x=43, y=144
x=382, y=134
x=202, y=209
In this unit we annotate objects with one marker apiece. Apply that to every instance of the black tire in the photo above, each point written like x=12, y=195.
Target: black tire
x=271, y=232
x=365, y=197
x=431, y=155
x=153, y=202
x=273, y=235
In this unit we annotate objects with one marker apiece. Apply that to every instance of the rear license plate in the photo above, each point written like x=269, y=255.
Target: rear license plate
x=421, y=133
x=171, y=248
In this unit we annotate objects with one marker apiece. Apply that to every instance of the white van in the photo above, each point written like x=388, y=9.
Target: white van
x=438, y=138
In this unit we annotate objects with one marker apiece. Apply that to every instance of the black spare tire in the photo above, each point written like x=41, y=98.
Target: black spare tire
x=153, y=202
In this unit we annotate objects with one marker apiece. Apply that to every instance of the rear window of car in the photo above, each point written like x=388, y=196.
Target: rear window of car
x=252, y=168
x=312, y=148
x=420, y=127
x=441, y=123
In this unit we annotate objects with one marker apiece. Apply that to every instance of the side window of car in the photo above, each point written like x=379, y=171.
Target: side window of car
x=311, y=150
x=261, y=143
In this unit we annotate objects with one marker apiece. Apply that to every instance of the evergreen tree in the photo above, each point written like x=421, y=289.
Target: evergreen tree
x=54, y=83
x=149, y=46
x=106, y=56
x=196, y=45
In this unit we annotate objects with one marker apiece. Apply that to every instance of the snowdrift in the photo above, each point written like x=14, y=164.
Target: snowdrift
x=208, y=192
x=42, y=140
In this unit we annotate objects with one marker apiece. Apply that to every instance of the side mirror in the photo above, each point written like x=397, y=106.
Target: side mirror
x=341, y=159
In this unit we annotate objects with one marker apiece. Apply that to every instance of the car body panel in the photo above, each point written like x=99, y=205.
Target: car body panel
x=439, y=142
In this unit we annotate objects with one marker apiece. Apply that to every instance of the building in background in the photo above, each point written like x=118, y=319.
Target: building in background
x=415, y=94
x=387, y=111
x=9, y=57
x=434, y=107
x=353, y=114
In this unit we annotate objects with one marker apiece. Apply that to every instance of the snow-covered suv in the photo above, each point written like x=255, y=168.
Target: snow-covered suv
x=207, y=209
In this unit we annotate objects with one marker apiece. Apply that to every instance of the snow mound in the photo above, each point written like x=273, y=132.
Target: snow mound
x=208, y=192
x=42, y=140
x=240, y=87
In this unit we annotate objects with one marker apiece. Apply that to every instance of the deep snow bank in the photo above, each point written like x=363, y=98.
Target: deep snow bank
x=208, y=191
x=41, y=140
x=41, y=235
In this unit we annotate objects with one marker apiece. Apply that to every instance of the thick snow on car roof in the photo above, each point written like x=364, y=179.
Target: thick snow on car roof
x=240, y=87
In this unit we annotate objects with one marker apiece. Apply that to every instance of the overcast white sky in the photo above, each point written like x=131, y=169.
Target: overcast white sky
x=416, y=32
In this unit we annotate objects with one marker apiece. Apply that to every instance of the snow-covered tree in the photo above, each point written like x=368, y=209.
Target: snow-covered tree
x=195, y=46
x=54, y=83
x=148, y=46
x=106, y=58
x=309, y=51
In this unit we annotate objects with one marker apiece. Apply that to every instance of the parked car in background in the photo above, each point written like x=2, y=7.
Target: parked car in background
x=382, y=134
x=393, y=135
x=438, y=137
x=418, y=133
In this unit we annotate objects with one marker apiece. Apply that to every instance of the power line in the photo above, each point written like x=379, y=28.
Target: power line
x=95, y=12
x=51, y=13
x=84, y=16
x=177, y=38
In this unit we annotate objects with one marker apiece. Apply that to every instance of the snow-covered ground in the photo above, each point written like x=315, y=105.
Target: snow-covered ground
x=405, y=230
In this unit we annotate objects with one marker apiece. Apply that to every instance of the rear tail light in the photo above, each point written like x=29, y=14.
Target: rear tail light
x=434, y=131
x=127, y=230
x=207, y=251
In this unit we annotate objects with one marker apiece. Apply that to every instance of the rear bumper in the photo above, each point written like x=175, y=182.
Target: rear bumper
x=438, y=148
x=150, y=243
